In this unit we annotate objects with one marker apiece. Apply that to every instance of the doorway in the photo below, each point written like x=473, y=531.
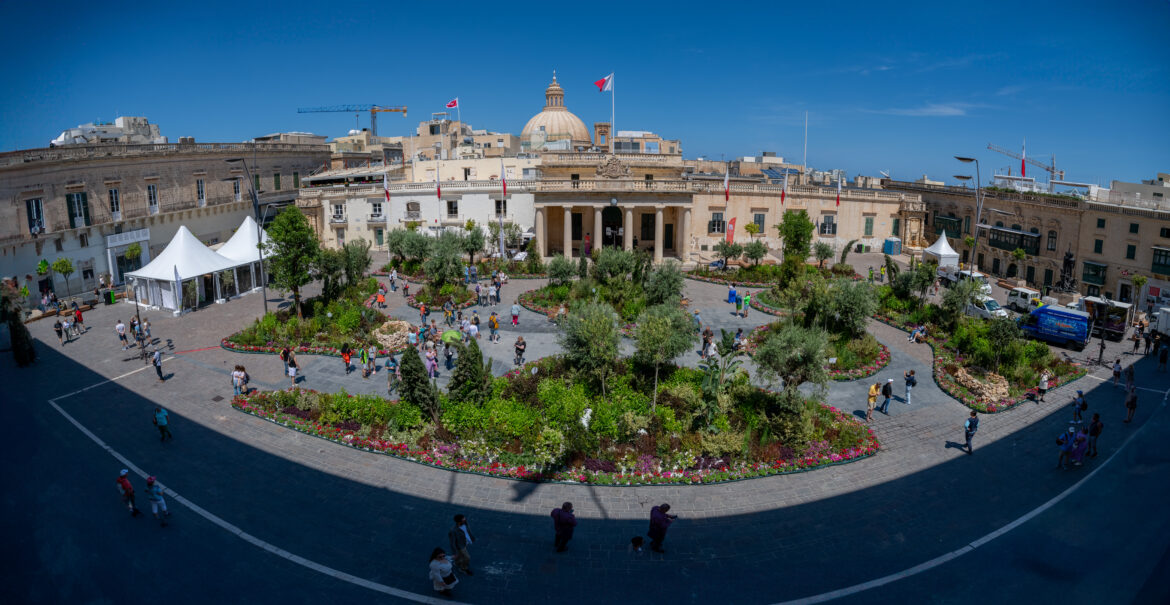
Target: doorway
x=1011, y=272
x=995, y=266
x=668, y=235
x=611, y=222
x=1125, y=293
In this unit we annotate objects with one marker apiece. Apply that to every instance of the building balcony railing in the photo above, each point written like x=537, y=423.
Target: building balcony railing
x=413, y=215
x=376, y=218
x=338, y=219
x=116, y=215
x=453, y=219
x=590, y=158
x=1160, y=268
x=507, y=218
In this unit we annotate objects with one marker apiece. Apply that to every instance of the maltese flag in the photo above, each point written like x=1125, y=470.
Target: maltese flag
x=1024, y=160
x=838, y=193
x=453, y=103
x=726, y=185
x=503, y=177
x=784, y=191
x=386, y=184
x=605, y=84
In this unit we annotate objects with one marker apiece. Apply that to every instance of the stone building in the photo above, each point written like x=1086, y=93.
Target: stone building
x=89, y=203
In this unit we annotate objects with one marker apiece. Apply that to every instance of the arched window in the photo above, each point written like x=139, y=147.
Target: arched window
x=1052, y=240
x=998, y=223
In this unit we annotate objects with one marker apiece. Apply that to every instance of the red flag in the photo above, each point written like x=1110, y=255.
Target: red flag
x=838, y=193
x=386, y=185
x=453, y=103
x=731, y=231
x=726, y=186
x=605, y=84
x=784, y=191
x=438, y=188
x=503, y=177
x=1024, y=160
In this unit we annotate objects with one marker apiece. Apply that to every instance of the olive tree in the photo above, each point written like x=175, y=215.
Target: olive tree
x=560, y=270
x=823, y=252
x=755, y=250
x=589, y=336
x=794, y=355
x=664, y=332
x=664, y=284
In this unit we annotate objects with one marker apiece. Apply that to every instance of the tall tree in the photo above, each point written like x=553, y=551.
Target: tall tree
x=473, y=242
x=357, y=260
x=292, y=250
x=329, y=268
x=664, y=284
x=445, y=265
x=797, y=232
x=469, y=383
x=396, y=243
x=416, y=389
x=64, y=267
x=664, y=332
x=589, y=336
x=416, y=246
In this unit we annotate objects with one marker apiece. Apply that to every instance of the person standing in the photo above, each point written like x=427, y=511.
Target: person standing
x=738, y=305
x=154, y=493
x=969, y=429
x=156, y=359
x=364, y=359
x=59, y=328
x=127, y=491
x=1116, y=372
x=161, y=421
x=146, y=326
x=911, y=382
x=1043, y=386
x=494, y=326
x=1130, y=405
x=461, y=537
x=492, y=294
x=292, y=367
x=78, y=321
x=238, y=380
x=887, y=393
x=392, y=375
x=372, y=360
x=1137, y=341
x=731, y=294
x=1065, y=444
x=698, y=322
x=563, y=523
x=587, y=245
x=120, y=329
x=659, y=522
x=346, y=355
x=448, y=312
x=473, y=329
x=747, y=303
x=284, y=354
x=442, y=576
x=871, y=403
x=1095, y=428
x=1149, y=338
x=520, y=347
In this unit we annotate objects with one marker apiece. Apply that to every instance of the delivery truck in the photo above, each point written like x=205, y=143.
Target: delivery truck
x=1058, y=325
x=1108, y=316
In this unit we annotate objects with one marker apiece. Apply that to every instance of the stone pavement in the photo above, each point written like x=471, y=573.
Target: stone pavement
x=918, y=498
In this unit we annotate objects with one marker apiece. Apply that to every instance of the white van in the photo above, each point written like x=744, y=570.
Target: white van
x=1023, y=299
x=985, y=307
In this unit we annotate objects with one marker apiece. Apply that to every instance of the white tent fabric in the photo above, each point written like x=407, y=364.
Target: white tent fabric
x=241, y=247
x=185, y=255
x=942, y=252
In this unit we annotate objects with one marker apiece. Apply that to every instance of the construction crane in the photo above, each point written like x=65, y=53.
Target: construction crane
x=373, y=109
x=1053, y=173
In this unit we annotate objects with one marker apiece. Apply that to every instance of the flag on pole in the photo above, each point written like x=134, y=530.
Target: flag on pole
x=386, y=185
x=1024, y=160
x=605, y=84
x=453, y=103
x=503, y=177
x=726, y=185
x=731, y=231
x=438, y=188
x=838, y=193
x=784, y=191
x=178, y=289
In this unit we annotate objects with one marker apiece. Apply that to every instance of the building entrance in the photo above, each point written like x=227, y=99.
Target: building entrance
x=611, y=222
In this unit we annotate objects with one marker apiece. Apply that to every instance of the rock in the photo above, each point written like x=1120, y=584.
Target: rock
x=987, y=388
x=392, y=334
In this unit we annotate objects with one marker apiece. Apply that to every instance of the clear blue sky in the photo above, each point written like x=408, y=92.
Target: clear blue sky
x=888, y=86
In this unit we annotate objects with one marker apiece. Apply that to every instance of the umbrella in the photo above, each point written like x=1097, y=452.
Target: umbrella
x=451, y=336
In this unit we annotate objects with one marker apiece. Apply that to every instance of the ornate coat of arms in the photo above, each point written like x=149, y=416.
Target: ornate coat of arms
x=613, y=168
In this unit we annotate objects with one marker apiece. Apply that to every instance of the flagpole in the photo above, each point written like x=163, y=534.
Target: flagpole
x=804, y=162
x=612, y=111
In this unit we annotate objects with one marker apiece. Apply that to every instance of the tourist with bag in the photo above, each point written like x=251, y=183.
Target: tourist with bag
x=442, y=576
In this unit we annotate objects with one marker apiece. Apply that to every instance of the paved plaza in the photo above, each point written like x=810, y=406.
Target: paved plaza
x=265, y=513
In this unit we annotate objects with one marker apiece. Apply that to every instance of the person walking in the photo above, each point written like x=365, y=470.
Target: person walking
x=405, y=289
x=1137, y=342
x=660, y=521
x=563, y=523
x=911, y=382
x=161, y=421
x=1149, y=338
x=520, y=347
x=448, y=356
x=515, y=314
x=494, y=326
x=381, y=300
x=1116, y=373
x=461, y=537
x=120, y=329
x=393, y=279
x=747, y=303
x=284, y=354
x=1130, y=405
x=78, y=321
x=1042, y=388
x=698, y=322
x=346, y=356
x=887, y=393
x=146, y=326
x=371, y=360
x=969, y=429
x=127, y=491
x=1095, y=428
x=1129, y=379
x=156, y=360
x=442, y=576
x=871, y=403
x=292, y=368
x=448, y=312
x=154, y=493
x=59, y=328
x=393, y=374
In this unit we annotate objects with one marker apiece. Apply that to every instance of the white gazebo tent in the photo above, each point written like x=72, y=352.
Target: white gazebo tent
x=185, y=259
x=942, y=253
x=242, y=249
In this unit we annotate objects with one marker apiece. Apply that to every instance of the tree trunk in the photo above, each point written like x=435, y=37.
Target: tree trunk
x=654, y=402
x=297, y=301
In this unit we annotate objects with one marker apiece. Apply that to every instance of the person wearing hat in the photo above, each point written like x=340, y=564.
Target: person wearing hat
x=1066, y=442
x=887, y=392
x=127, y=490
x=154, y=493
x=698, y=322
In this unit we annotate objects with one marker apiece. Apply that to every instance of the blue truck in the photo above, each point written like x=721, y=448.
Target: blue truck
x=1058, y=325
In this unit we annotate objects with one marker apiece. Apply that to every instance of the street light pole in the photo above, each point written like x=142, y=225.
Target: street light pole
x=259, y=232
x=978, y=204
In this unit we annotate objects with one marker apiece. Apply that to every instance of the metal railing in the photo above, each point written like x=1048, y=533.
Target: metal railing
x=338, y=219
x=104, y=150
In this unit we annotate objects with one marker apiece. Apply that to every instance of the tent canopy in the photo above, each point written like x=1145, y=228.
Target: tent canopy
x=241, y=247
x=185, y=254
x=942, y=251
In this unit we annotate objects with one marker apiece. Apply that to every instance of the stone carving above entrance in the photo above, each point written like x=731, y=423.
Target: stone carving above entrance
x=613, y=168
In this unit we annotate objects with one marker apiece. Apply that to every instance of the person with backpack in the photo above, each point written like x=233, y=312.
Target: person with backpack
x=494, y=326
x=969, y=429
x=1079, y=406
x=127, y=491
x=739, y=305
x=887, y=393
x=911, y=382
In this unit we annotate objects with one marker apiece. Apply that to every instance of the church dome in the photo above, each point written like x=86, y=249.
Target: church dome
x=554, y=122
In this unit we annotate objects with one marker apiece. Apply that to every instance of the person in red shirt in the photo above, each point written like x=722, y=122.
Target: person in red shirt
x=127, y=490
x=78, y=321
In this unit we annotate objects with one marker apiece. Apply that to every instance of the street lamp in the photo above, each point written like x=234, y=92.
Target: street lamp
x=259, y=233
x=978, y=203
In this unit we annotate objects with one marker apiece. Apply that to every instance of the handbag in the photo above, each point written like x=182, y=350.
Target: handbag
x=449, y=579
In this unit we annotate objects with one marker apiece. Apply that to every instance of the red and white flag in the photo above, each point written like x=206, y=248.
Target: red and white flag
x=1024, y=160
x=731, y=231
x=838, y=193
x=386, y=184
x=784, y=191
x=438, y=188
x=726, y=185
x=453, y=103
x=605, y=84
x=503, y=177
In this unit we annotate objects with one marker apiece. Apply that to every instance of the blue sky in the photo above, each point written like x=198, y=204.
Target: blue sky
x=897, y=86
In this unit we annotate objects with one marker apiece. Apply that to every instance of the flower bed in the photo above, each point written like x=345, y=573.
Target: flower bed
x=273, y=349
x=272, y=406
x=470, y=302
x=526, y=300
x=711, y=279
x=324, y=329
x=883, y=358
x=760, y=305
x=1062, y=373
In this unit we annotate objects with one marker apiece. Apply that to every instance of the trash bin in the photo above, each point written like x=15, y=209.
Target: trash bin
x=110, y=297
x=867, y=248
x=860, y=248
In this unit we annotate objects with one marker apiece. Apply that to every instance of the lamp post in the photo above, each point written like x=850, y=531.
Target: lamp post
x=259, y=233
x=978, y=203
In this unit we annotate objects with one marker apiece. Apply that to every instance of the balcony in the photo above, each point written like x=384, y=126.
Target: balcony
x=507, y=218
x=376, y=218
x=338, y=219
x=952, y=226
x=1011, y=239
x=115, y=215
x=454, y=219
x=1094, y=273
x=829, y=229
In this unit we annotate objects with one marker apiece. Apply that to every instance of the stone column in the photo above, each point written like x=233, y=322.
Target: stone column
x=538, y=228
x=628, y=227
x=568, y=232
x=597, y=228
x=684, y=251
x=658, y=234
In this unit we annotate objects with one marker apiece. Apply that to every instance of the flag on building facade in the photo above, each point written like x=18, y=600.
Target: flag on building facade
x=605, y=84
x=453, y=103
x=784, y=191
x=1024, y=160
x=386, y=185
x=726, y=185
x=838, y=193
x=503, y=177
x=438, y=188
x=731, y=231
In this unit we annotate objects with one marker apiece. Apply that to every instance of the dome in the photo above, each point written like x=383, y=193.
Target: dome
x=554, y=122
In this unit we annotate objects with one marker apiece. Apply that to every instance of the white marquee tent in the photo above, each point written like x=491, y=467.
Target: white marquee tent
x=942, y=253
x=242, y=249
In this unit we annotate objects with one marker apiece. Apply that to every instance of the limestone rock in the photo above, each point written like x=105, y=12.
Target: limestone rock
x=392, y=334
x=989, y=387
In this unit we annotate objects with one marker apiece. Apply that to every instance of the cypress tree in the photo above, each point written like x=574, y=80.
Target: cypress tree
x=468, y=381
x=416, y=388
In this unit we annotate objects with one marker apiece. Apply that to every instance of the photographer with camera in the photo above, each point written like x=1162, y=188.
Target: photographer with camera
x=659, y=522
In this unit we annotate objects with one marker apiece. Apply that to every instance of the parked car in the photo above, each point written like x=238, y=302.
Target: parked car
x=986, y=307
x=1023, y=299
x=1058, y=325
x=952, y=276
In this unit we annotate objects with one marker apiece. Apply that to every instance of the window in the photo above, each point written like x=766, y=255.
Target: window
x=452, y=209
x=200, y=192
x=576, y=178
x=78, y=204
x=627, y=147
x=1100, y=223
x=966, y=225
x=947, y=224
x=115, y=203
x=1009, y=239
x=1030, y=274
x=338, y=212
x=759, y=219
x=276, y=181
x=1094, y=273
x=898, y=226
x=341, y=236
x=716, y=224
x=1133, y=227
x=377, y=233
x=1048, y=277
x=296, y=180
x=236, y=189
x=1161, y=262
x=152, y=197
x=501, y=207
x=83, y=239
x=35, y=211
x=1131, y=251
x=1052, y=240
x=647, y=227
x=1164, y=232
x=58, y=244
x=1093, y=291
x=828, y=225
x=869, y=226
x=1098, y=245
x=376, y=209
